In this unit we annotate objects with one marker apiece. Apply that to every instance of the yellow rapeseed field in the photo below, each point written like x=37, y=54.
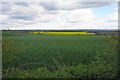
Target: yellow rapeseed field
x=68, y=33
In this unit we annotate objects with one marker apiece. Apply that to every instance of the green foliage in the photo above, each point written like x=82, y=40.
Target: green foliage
x=94, y=70
x=7, y=47
x=63, y=56
x=44, y=48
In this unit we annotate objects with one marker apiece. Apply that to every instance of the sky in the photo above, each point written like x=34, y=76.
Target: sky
x=59, y=15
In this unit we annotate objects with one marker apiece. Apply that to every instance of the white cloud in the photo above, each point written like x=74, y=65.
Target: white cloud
x=70, y=15
x=21, y=12
x=3, y=17
x=81, y=15
x=116, y=8
x=59, y=0
x=113, y=17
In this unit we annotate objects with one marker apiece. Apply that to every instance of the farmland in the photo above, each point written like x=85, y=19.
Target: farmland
x=34, y=51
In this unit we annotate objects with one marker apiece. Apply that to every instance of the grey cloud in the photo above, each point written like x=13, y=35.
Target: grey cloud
x=79, y=5
x=22, y=17
x=93, y=4
x=6, y=7
x=48, y=5
x=22, y=4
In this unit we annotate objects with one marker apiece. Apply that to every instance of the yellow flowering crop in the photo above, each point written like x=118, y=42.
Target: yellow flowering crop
x=68, y=33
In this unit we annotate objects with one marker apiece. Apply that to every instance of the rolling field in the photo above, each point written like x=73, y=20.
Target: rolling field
x=48, y=49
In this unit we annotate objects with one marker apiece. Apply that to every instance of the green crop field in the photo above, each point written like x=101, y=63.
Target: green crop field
x=31, y=51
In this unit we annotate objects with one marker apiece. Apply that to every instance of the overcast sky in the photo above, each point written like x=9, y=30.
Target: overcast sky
x=59, y=15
